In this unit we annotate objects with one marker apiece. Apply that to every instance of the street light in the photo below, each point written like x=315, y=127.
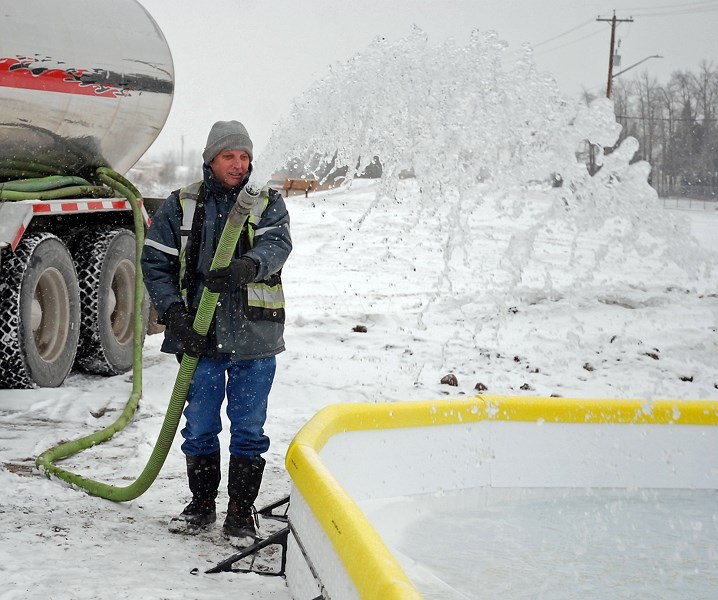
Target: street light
x=636, y=64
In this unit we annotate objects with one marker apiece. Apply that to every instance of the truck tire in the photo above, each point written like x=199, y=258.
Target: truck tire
x=105, y=263
x=39, y=313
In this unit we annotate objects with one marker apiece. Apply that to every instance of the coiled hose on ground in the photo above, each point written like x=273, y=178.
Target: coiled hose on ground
x=62, y=186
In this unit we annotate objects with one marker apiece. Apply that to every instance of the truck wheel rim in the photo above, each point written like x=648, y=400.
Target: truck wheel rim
x=51, y=314
x=122, y=301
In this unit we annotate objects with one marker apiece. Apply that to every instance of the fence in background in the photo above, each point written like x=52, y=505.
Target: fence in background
x=690, y=203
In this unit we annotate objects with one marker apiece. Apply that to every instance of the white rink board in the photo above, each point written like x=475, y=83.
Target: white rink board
x=384, y=463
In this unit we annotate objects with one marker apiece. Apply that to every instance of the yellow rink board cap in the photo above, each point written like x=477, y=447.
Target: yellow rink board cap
x=370, y=565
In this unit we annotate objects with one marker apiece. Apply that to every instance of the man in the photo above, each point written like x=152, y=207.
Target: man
x=238, y=356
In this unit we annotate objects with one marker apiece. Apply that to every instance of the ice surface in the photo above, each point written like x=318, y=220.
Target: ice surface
x=599, y=544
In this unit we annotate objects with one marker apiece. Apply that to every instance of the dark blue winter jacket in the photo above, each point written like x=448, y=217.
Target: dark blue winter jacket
x=235, y=330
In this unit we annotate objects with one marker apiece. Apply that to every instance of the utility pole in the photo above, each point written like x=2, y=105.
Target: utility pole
x=613, y=20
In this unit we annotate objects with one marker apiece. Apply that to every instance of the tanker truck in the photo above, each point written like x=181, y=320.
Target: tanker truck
x=83, y=85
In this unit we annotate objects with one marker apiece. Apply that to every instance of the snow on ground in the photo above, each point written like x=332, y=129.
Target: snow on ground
x=476, y=268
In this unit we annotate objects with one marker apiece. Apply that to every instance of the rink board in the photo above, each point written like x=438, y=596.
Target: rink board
x=351, y=454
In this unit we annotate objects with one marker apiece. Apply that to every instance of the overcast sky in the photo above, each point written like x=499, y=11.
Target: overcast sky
x=247, y=59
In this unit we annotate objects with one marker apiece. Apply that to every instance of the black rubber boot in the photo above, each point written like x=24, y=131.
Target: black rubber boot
x=204, y=474
x=245, y=477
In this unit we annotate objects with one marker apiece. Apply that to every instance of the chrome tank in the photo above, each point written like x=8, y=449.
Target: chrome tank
x=83, y=83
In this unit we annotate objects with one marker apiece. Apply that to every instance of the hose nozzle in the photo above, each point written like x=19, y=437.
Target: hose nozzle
x=246, y=199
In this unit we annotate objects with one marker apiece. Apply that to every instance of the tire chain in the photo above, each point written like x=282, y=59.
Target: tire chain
x=90, y=353
x=13, y=372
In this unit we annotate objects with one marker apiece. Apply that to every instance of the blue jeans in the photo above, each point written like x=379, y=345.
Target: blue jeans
x=247, y=385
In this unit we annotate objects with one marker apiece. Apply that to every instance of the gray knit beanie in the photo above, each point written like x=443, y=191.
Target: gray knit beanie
x=226, y=135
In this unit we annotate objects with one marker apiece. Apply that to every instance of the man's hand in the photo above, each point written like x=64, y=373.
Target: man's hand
x=240, y=271
x=180, y=324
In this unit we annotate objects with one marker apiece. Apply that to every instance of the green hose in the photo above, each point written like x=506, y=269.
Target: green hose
x=68, y=192
x=24, y=168
x=42, y=183
x=51, y=188
x=205, y=313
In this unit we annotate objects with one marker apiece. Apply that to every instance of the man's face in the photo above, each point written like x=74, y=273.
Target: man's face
x=230, y=167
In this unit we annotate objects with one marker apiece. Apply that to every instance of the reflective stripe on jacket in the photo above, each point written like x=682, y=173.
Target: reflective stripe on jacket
x=265, y=299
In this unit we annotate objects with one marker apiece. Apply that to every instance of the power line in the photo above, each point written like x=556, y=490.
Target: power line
x=694, y=8
x=569, y=43
x=593, y=34
x=679, y=12
x=683, y=8
x=700, y=4
x=562, y=34
x=690, y=8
